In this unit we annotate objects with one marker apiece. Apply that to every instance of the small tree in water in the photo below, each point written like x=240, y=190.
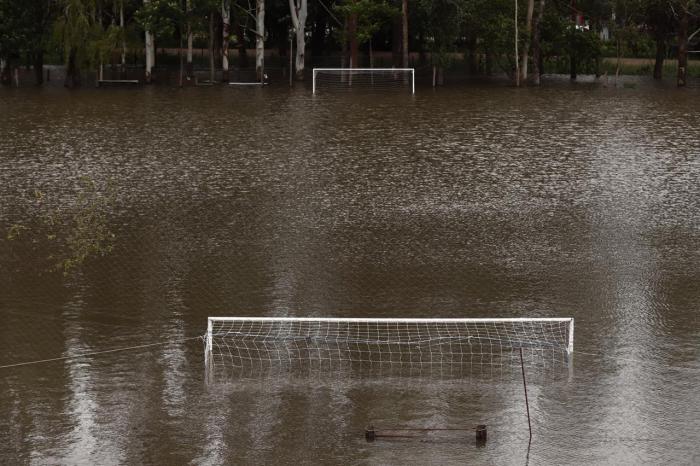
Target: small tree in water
x=66, y=235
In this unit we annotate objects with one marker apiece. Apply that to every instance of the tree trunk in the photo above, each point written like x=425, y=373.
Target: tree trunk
x=660, y=55
x=528, y=39
x=397, y=35
x=352, y=34
x=149, y=57
x=123, y=32
x=225, y=33
x=242, y=50
x=72, y=73
x=260, y=40
x=344, y=50
x=422, y=56
x=39, y=67
x=5, y=76
x=517, y=56
x=318, y=37
x=472, y=56
x=298, y=10
x=681, y=80
x=404, y=34
x=573, y=59
x=181, y=56
x=150, y=53
x=189, y=67
x=218, y=36
x=536, y=45
x=618, y=64
x=212, y=70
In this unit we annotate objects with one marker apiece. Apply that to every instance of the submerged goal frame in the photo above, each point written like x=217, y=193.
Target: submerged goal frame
x=569, y=320
x=412, y=70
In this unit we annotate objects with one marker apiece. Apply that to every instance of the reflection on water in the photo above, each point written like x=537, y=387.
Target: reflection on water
x=567, y=201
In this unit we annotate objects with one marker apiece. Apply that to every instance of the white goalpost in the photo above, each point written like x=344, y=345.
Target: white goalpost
x=327, y=343
x=364, y=78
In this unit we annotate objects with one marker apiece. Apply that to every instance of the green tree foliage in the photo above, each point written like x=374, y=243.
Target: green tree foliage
x=79, y=31
x=442, y=22
x=69, y=234
x=86, y=33
x=371, y=16
x=25, y=30
x=162, y=17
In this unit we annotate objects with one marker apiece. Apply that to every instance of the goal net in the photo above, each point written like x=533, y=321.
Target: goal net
x=379, y=79
x=394, y=345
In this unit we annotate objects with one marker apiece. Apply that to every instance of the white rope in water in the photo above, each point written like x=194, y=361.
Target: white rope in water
x=93, y=353
x=202, y=337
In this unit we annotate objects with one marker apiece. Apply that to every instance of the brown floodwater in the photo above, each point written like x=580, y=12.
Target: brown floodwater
x=473, y=201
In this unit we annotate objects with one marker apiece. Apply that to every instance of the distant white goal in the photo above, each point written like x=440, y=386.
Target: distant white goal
x=382, y=79
x=290, y=343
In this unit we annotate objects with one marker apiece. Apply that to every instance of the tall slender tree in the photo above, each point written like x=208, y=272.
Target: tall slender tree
x=73, y=29
x=299, y=10
x=536, y=43
x=404, y=34
x=150, y=50
x=122, y=27
x=189, y=67
x=528, y=40
x=260, y=40
x=225, y=37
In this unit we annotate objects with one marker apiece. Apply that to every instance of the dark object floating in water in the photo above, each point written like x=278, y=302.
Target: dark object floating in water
x=372, y=434
x=117, y=82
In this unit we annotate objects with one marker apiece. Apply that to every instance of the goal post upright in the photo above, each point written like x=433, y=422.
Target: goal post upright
x=570, y=346
x=210, y=331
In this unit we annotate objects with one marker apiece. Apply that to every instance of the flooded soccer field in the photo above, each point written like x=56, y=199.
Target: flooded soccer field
x=128, y=216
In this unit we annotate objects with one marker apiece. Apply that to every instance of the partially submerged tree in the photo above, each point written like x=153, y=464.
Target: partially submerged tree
x=260, y=40
x=299, y=10
x=74, y=31
x=225, y=37
x=25, y=30
x=536, y=43
x=527, y=42
x=683, y=10
x=158, y=18
x=660, y=20
x=69, y=234
x=365, y=18
x=442, y=21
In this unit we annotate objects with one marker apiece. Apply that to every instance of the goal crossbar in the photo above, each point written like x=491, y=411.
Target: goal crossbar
x=412, y=71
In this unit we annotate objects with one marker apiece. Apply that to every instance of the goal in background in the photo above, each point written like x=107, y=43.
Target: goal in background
x=330, y=344
x=345, y=79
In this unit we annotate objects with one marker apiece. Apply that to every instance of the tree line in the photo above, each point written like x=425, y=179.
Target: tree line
x=522, y=38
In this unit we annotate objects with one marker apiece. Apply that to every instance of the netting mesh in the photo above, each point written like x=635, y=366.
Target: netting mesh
x=365, y=79
x=386, y=345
